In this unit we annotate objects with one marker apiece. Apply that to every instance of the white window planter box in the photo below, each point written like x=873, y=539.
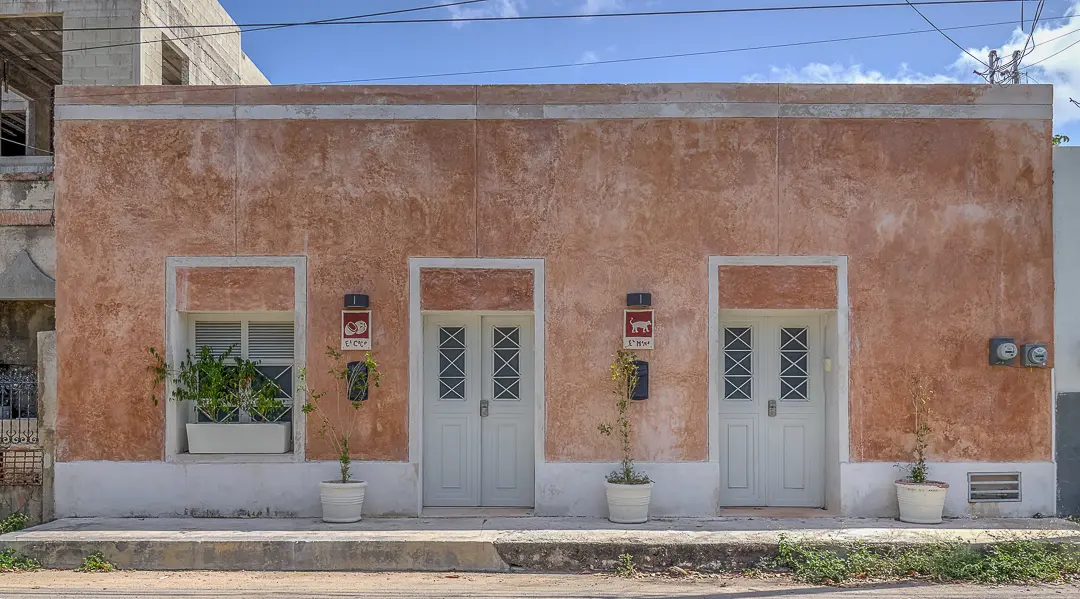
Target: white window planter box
x=232, y=437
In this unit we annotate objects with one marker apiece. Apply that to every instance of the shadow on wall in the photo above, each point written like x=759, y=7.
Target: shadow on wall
x=22, y=498
x=20, y=322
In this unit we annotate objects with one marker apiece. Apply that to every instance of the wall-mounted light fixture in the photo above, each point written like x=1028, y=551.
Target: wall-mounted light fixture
x=357, y=301
x=638, y=299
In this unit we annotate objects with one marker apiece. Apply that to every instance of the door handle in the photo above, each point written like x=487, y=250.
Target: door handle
x=772, y=408
x=484, y=409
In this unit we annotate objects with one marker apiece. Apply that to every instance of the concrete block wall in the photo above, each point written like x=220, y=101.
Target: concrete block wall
x=213, y=60
x=100, y=64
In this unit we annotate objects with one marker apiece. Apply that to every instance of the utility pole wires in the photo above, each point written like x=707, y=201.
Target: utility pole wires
x=1009, y=73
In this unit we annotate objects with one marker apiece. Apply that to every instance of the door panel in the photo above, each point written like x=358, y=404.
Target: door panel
x=772, y=407
x=507, y=430
x=453, y=447
x=478, y=411
x=741, y=471
x=738, y=467
x=451, y=425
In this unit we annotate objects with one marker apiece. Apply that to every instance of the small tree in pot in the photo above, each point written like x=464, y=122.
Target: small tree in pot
x=628, y=490
x=921, y=500
x=221, y=388
x=343, y=498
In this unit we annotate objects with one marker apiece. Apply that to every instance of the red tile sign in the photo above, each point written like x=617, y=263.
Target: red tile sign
x=355, y=329
x=638, y=329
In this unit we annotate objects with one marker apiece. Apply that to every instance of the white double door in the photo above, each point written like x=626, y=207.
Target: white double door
x=478, y=411
x=772, y=411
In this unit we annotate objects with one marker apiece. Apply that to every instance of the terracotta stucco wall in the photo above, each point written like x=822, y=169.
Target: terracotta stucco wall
x=475, y=289
x=243, y=289
x=777, y=288
x=946, y=223
x=949, y=244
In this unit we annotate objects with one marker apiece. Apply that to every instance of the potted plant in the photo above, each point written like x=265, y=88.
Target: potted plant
x=221, y=389
x=343, y=498
x=921, y=500
x=628, y=490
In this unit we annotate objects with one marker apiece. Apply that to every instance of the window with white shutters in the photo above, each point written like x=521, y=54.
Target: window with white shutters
x=219, y=336
x=270, y=343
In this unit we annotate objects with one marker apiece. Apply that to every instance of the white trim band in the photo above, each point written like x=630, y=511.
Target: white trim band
x=639, y=110
x=672, y=110
x=916, y=111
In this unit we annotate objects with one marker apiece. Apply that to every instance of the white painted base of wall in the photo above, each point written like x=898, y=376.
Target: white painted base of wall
x=291, y=489
x=121, y=489
x=867, y=489
x=577, y=489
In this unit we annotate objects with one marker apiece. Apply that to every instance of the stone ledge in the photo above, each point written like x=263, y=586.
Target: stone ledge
x=481, y=544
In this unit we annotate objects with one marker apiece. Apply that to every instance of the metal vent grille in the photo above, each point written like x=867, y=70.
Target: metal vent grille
x=219, y=336
x=993, y=486
x=270, y=340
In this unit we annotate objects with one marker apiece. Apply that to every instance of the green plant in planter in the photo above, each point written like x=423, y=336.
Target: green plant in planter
x=351, y=388
x=219, y=386
x=625, y=378
x=921, y=397
x=264, y=405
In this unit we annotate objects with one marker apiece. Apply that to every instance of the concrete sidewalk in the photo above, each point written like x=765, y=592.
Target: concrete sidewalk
x=480, y=544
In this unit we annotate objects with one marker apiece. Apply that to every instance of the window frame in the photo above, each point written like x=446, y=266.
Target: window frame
x=245, y=318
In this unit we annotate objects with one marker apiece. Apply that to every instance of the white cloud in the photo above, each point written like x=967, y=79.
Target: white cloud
x=587, y=57
x=817, y=72
x=592, y=7
x=1062, y=70
x=494, y=8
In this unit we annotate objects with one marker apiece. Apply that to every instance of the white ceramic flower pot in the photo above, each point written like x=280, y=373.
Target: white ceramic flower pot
x=234, y=437
x=628, y=504
x=921, y=503
x=342, y=502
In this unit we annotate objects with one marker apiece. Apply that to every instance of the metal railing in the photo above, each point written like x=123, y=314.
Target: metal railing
x=18, y=407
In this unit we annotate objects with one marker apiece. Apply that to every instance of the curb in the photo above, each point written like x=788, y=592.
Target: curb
x=283, y=555
x=467, y=549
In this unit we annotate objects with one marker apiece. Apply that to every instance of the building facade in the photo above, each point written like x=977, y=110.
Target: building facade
x=808, y=250
x=44, y=44
x=82, y=42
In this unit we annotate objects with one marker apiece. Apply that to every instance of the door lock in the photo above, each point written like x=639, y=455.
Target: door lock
x=484, y=408
x=772, y=408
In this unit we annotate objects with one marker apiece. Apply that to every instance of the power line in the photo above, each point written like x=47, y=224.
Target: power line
x=212, y=89
x=265, y=28
x=658, y=13
x=669, y=56
x=936, y=28
x=1055, y=53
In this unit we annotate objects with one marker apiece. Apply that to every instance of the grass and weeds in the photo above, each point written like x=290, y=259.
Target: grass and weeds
x=14, y=521
x=626, y=567
x=96, y=562
x=13, y=562
x=1002, y=563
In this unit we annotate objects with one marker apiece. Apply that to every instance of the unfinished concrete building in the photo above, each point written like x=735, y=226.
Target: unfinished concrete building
x=43, y=44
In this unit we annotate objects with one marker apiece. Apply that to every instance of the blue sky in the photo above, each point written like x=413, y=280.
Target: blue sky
x=354, y=52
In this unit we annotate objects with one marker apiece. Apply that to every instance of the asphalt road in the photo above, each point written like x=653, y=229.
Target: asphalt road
x=281, y=585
